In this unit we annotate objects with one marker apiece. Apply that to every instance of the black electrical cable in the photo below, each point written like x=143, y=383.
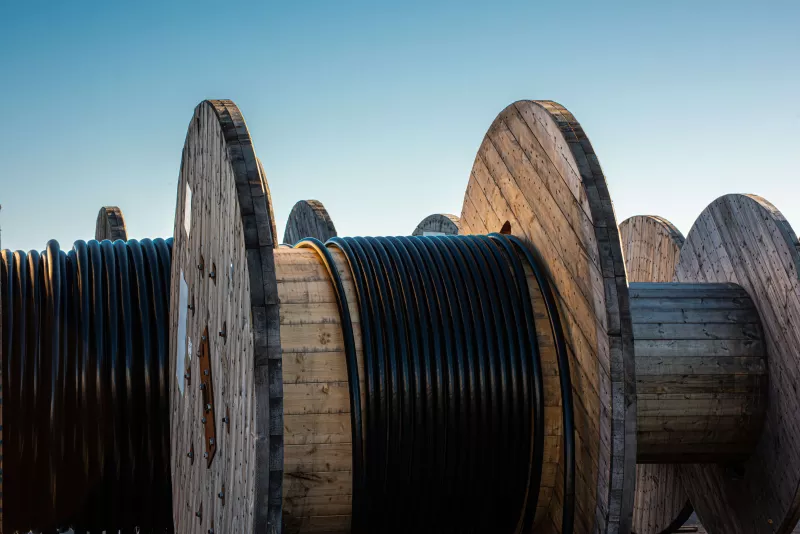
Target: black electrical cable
x=452, y=438
x=85, y=387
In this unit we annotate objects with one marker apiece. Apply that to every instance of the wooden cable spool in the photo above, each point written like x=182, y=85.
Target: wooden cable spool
x=110, y=224
x=260, y=406
x=308, y=218
x=438, y=224
x=651, y=246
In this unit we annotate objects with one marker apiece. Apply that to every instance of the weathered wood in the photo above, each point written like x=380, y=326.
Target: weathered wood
x=438, y=224
x=745, y=240
x=537, y=176
x=110, y=224
x=651, y=246
x=696, y=409
x=308, y=218
x=223, y=253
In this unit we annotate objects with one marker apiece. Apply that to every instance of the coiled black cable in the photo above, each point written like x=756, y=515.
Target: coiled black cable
x=453, y=434
x=85, y=387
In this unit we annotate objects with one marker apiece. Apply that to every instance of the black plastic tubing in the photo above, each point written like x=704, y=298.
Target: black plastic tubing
x=85, y=387
x=451, y=438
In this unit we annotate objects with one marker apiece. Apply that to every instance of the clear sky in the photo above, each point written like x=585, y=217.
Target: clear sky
x=377, y=108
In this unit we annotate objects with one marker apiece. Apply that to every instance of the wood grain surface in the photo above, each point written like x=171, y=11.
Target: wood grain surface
x=536, y=170
x=223, y=251
x=745, y=240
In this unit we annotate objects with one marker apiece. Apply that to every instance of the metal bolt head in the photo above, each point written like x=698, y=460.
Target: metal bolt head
x=222, y=333
x=191, y=307
x=187, y=376
x=204, y=420
x=205, y=372
x=202, y=386
x=190, y=454
x=221, y=495
x=212, y=274
x=198, y=514
x=210, y=441
x=203, y=338
x=205, y=455
x=225, y=420
x=208, y=407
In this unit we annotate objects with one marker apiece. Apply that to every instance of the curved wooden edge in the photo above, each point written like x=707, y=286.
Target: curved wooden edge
x=536, y=170
x=223, y=280
x=110, y=224
x=308, y=218
x=438, y=223
x=745, y=240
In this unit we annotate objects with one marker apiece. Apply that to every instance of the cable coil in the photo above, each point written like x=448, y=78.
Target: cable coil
x=85, y=387
x=451, y=436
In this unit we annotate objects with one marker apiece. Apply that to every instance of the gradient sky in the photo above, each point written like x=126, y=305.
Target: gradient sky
x=378, y=111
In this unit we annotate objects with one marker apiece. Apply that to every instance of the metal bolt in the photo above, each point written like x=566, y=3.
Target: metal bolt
x=187, y=376
x=225, y=420
x=210, y=441
x=191, y=307
x=222, y=333
x=208, y=407
x=198, y=514
x=221, y=495
x=205, y=455
x=190, y=454
x=204, y=420
x=205, y=372
x=203, y=337
x=202, y=386
x=212, y=274
x=211, y=531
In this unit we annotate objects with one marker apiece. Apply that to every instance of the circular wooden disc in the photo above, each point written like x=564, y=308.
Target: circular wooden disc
x=537, y=171
x=223, y=284
x=438, y=224
x=110, y=224
x=308, y=218
x=651, y=246
x=744, y=239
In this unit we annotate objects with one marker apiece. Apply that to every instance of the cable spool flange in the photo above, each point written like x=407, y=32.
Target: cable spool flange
x=536, y=171
x=651, y=246
x=744, y=239
x=308, y=218
x=223, y=281
x=438, y=224
x=110, y=224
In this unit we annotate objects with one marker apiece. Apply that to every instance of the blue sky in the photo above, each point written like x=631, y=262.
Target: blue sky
x=378, y=110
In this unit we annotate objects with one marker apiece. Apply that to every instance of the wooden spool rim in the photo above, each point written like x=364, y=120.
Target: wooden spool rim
x=746, y=240
x=661, y=258
x=308, y=218
x=449, y=224
x=110, y=224
x=537, y=170
x=262, y=380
